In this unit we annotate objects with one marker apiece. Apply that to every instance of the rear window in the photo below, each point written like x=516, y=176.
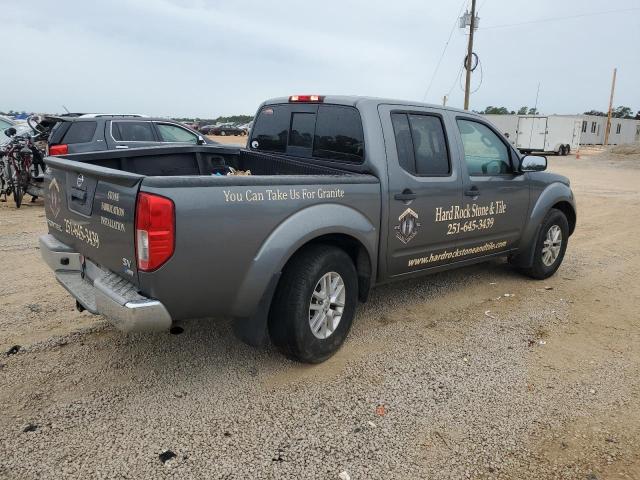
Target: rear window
x=271, y=129
x=302, y=128
x=330, y=132
x=339, y=134
x=80, y=132
x=132, y=131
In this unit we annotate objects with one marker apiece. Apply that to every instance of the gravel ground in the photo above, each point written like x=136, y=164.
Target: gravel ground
x=475, y=373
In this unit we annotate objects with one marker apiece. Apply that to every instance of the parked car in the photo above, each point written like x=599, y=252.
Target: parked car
x=246, y=128
x=206, y=129
x=225, y=129
x=346, y=193
x=97, y=132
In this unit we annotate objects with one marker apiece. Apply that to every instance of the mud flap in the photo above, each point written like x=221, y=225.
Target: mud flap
x=524, y=259
x=254, y=330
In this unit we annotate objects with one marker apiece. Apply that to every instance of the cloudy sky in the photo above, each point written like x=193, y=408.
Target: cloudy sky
x=212, y=57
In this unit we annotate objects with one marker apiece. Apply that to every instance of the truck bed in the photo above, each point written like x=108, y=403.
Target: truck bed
x=206, y=160
x=222, y=223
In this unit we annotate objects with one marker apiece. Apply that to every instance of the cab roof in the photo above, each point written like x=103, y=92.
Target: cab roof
x=358, y=100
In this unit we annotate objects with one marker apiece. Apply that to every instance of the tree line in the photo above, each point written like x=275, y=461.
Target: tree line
x=618, y=112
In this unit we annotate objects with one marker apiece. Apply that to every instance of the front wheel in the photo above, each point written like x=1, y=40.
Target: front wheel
x=314, y=305
x=550, y=246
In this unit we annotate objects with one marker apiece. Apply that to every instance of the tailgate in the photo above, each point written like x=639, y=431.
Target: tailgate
x=92, y=209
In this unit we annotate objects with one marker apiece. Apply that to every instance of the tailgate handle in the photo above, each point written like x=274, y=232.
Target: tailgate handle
x=77, y=194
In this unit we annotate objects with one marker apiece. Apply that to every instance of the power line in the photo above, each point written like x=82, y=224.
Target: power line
x=455, y=23
x=555, y=19
x=458, y=76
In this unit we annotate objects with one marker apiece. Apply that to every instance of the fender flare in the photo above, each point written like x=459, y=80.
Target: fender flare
x=253, y=300
x=552, y=195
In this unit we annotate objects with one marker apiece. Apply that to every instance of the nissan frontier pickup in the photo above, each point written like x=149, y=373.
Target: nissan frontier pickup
x=332, y=196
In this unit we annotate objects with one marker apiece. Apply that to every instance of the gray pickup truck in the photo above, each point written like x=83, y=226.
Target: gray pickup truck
x=345, y=193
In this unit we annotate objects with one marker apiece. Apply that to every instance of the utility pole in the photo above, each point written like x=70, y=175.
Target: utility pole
x=472, y=27
x=613, y=88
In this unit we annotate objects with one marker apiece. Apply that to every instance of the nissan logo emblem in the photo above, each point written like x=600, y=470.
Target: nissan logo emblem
x=80, y=180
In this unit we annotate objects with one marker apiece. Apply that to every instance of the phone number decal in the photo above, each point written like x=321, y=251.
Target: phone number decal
x=470, y=226
x=82, y=233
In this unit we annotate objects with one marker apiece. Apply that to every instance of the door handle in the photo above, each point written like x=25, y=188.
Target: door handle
x=406, y=195
x=122, y=146
x=472, y=192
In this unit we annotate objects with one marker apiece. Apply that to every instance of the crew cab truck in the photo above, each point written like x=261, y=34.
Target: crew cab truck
x=345, y=193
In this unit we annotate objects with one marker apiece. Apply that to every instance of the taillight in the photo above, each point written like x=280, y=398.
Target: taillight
x=58, y=149
x=306, y=98
x=155, y=231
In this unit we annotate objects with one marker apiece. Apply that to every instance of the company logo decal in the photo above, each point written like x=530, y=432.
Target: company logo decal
x=54, y=198
x=80, y=180
x=408, y=227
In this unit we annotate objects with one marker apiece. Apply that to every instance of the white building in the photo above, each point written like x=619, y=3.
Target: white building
x=562, y=129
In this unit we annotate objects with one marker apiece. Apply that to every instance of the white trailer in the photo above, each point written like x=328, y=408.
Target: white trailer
x=507, y=125
x=559, y=134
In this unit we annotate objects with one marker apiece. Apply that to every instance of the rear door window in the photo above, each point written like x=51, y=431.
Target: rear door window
x=421, y=144
x=331, y=132
x=132, y=132
x=80, y=132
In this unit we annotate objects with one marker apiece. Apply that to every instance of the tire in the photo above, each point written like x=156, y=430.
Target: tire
x=13, y=185
x=299, y=289
x=223, y=133
x=567, y=150
x=542, y=267
x=17, y=194
x=560, y=151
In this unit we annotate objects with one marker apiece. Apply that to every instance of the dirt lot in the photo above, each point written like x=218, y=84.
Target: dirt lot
x=545, y=384
x=229, y=140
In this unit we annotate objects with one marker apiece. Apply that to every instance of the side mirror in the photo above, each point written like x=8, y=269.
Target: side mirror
x=10, y=132
x=201, y=140
x=533, y=163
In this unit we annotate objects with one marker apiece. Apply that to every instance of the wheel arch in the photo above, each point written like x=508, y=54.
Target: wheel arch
x=357, y=252
x=556, y=195
x=333, y=224
x=569, y=211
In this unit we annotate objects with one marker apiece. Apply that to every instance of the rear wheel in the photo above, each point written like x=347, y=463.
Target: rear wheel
x=315, y=303
x=550, y=246
x=17, y=194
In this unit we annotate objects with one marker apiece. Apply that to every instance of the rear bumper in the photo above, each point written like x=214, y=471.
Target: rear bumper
x=103, y=292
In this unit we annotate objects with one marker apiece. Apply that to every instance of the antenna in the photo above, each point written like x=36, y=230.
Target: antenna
x=66, y=109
